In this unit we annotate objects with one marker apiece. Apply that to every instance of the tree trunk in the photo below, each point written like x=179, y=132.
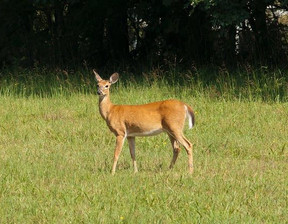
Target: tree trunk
x=117, y=30
x=259, y=27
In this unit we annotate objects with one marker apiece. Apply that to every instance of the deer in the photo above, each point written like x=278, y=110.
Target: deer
x=130, y=121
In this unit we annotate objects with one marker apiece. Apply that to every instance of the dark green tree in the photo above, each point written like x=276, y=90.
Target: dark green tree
x=97, y=33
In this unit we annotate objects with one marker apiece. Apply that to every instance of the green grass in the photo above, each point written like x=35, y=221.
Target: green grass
x=56, y=153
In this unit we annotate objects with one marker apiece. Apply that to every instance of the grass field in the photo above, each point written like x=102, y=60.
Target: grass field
x=56, y=152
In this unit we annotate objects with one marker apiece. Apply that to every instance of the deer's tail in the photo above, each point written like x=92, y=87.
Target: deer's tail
x=190, y=116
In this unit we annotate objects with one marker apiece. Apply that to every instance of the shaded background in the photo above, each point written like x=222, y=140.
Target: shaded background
x=99, y=33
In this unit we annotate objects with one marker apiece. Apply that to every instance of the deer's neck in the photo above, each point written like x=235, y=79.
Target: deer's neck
x=105, y=106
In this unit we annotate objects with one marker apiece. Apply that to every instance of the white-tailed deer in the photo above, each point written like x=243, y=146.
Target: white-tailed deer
x=129, y=121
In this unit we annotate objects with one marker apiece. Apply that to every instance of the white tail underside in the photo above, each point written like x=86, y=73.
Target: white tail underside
x=189, y=117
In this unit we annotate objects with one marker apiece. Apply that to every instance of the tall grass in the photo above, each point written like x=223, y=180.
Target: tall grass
x=56, y=151
x=245, y=84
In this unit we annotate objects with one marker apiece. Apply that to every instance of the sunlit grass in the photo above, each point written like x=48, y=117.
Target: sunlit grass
x=56, y=155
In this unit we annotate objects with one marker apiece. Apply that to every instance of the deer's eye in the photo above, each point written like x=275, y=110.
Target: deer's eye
x=106, y=86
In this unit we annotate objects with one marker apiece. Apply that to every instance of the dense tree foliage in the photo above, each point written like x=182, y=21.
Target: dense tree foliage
x=101, y=32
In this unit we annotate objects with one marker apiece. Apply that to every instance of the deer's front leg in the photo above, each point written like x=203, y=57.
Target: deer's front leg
x=131, y=141
x=119, y=144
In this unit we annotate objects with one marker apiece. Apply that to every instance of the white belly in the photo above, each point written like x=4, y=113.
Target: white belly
x=146, y=133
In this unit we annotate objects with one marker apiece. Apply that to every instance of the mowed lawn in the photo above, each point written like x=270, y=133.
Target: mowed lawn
x=56, y=156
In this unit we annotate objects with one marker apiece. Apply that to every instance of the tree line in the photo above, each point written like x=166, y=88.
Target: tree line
x=102, y=32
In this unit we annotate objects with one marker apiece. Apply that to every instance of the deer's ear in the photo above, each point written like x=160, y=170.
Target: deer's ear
x=114, y=78
x=97, y=76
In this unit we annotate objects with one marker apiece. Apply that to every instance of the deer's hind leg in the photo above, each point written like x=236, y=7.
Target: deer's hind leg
x=177, y=135
x=176, y=150
x=189, y=149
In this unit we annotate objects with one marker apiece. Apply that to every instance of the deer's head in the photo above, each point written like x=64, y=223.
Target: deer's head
x=103, y=86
